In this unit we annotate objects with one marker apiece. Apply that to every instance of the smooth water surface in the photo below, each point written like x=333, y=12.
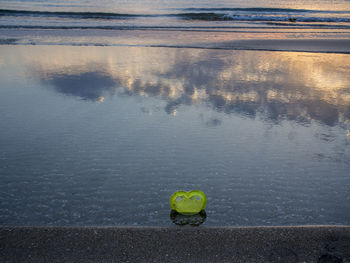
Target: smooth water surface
x=105, y=135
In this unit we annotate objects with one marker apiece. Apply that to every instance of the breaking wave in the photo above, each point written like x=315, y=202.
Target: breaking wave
x=203, y=14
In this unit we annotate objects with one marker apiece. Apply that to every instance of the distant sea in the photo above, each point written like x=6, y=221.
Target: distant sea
x=252, y=19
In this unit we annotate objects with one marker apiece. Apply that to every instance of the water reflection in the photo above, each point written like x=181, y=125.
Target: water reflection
x=192, y=220
x=86, y=85
x=81, y=163
x=275, y=86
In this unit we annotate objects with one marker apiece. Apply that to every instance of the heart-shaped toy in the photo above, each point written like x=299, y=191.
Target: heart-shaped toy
x=188, y=203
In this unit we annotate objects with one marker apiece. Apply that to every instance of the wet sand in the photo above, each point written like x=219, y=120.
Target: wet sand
x=174, y=244
x=295, y=45
x=237, y=40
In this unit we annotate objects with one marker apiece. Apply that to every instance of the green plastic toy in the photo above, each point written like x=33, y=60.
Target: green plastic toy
x=188, y=203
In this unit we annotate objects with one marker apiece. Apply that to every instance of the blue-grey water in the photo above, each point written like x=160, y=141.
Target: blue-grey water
x=105, y=135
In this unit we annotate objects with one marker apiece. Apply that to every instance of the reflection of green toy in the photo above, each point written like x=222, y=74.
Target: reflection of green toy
x=188, y=203
x=192, y=220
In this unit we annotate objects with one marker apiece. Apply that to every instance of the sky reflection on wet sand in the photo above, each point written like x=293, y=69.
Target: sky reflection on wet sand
x=264, y=134
x=296, y=86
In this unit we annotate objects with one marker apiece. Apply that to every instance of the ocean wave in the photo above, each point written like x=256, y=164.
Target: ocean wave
x=238, y=29
x=265, y=10
x=80, y=15
x=217, y=14
x=258, y=18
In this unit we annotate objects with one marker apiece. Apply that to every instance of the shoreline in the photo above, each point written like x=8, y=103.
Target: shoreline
x=177, y=39
x=175, y=244
x=300, y=46
x=341, y=46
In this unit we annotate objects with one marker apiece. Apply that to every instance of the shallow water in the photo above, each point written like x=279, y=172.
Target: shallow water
x=105, y=135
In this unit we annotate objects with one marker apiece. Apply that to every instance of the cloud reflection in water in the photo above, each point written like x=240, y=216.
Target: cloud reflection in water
x=87, y=85
x=272, y=85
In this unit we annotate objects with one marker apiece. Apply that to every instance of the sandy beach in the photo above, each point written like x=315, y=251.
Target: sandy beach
x=319, y=244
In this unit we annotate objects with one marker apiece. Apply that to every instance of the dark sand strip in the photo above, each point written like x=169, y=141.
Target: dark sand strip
x=175, y=244
x=176, y=39
x=298, y=45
